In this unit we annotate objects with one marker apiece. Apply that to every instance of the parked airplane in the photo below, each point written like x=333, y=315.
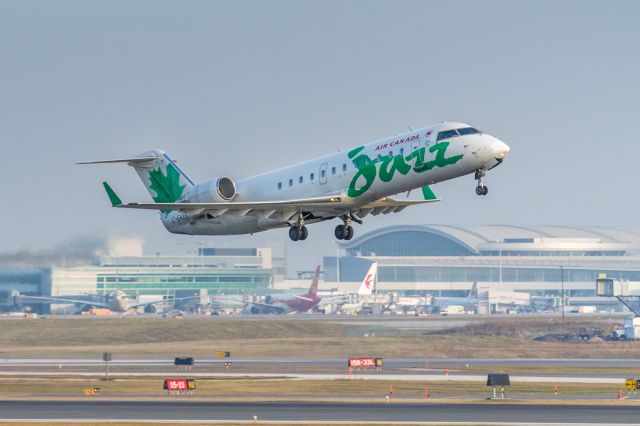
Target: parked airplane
x=116, y=301
x=288, y=303
x=470, y=300
x=345, y=185
x=366, y=289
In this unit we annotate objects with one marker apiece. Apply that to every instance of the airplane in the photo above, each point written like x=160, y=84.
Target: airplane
x=347, y=185
x=366, y=289
x=116, y=301
x=470, y=300
x=288, y=303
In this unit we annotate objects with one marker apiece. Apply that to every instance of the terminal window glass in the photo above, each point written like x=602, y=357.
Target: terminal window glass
x=447, y=134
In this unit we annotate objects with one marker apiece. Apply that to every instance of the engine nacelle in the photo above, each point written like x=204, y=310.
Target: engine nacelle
x=150, y=309
x=216, y=190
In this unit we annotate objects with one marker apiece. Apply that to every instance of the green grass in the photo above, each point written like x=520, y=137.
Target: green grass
x=288, y=388
x=300, y=338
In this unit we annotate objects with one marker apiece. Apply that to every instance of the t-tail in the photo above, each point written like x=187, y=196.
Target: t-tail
x=164, y=180
x=313, y=290
x=369, y=281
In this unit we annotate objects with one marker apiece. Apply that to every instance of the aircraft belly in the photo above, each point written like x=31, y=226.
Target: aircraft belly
x=222, y=225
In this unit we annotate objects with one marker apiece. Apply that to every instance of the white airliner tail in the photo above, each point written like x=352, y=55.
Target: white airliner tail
x=164, y=180
x=368, y=283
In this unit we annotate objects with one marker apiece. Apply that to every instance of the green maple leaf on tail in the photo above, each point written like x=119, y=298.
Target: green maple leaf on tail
x=167, y=188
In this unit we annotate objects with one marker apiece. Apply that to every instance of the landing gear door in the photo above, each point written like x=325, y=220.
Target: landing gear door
x=323, y=173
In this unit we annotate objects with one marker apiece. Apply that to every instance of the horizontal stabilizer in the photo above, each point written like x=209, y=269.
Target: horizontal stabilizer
x=122, y=160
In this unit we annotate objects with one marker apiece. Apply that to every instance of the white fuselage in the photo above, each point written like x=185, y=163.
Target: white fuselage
x=401, y=163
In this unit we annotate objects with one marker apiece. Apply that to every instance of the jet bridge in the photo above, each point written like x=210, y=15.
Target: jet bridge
x=625, y=292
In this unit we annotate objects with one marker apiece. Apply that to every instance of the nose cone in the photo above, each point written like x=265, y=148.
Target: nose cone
x=500, y=149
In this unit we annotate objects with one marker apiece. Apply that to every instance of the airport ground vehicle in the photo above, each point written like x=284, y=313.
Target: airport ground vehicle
x=452, y=310
x=587, y=333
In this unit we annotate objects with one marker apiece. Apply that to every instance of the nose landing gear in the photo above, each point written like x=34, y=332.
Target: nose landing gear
x=481, y=189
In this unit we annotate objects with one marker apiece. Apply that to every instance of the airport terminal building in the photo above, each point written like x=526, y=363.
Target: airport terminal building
x=443, y=260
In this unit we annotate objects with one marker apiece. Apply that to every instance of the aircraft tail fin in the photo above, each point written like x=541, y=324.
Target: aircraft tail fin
x=314, y=284
x=164, y=180
x=474, y=290
x=368, y=283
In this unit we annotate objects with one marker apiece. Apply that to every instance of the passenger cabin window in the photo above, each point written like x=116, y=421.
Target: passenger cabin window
x=447, y=134
x=333, y=170
x=467, y=131
x=311, y=176
x=300, y=180
x=279, y=185
x=344, y=167
x=290, y=182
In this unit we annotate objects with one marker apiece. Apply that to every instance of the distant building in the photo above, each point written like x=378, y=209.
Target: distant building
x=445, y=260
x=23, y=280
x=223, y=271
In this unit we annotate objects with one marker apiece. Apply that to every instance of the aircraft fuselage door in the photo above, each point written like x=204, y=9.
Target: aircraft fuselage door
x=323, y=173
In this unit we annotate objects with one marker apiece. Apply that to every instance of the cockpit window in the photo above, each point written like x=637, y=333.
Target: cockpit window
x=467, y=131
x=447, y=134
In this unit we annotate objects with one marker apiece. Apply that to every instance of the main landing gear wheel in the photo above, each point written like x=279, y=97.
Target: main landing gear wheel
x=344, y=232
x=298, y=233
x=349, y=233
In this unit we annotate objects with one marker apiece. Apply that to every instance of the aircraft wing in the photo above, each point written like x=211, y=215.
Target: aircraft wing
x=388, y=205
x=45, y=299
x=161, y=301
x=329, y=206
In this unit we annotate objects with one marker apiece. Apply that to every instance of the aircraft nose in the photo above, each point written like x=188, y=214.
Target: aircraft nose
x=500, y=149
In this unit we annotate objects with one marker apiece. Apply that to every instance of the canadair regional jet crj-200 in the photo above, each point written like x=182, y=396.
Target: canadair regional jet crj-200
x=346, y=185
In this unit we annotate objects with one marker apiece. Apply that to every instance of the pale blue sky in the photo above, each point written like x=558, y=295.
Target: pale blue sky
x=237, y=88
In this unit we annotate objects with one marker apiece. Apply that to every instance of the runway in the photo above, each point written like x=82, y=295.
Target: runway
x=489, y=412
x=328, y=362
x=410, y=369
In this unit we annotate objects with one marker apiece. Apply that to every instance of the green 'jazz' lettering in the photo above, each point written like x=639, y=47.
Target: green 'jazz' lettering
x=366, y=174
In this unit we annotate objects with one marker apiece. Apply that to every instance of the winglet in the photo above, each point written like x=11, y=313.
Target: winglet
x=113, y=197
x=428, y=194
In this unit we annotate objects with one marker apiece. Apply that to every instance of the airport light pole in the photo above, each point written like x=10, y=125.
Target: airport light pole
x=562, y=290
x=337, y=261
